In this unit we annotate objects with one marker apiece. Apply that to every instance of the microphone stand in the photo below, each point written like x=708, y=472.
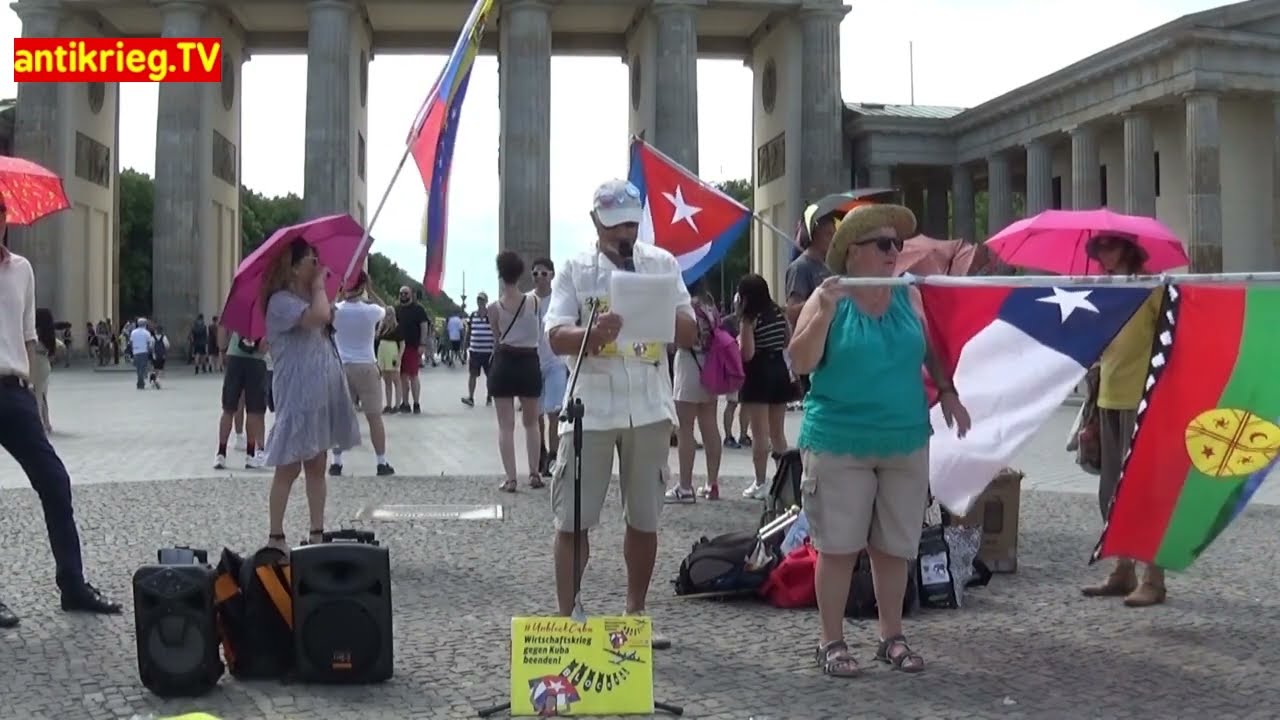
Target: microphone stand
x=572, y=413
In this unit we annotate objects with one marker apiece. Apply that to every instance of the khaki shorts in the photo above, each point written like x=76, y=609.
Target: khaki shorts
x=642, y=466
x=364, y=380
x=852, y=502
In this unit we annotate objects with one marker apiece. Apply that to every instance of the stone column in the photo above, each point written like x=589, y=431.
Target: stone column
x=36, y=137
x=330, y=133
x=1139, y=165
x=1204, y=182
x=935, y=213
x=821, y=104
x=999, y=193
x=962, y=226
x=1039, y=177
x=177, y=257
x=913, y=198
x=878, y=176
x=1086, y=189
x=675, y=118
x=524, y=155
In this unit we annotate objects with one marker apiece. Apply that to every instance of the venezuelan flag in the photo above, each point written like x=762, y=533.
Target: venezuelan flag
x=433, y=135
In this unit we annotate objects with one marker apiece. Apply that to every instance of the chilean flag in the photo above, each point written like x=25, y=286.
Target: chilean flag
x=1015, y=355
x=682, y=214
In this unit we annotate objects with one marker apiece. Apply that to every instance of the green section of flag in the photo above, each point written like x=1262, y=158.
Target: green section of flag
x=1254, y=386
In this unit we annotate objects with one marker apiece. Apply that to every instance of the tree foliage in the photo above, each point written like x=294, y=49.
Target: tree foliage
x=259, y=217
x=722, y=279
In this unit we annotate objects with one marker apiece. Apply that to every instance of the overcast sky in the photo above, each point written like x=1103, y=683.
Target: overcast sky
x=965, y=53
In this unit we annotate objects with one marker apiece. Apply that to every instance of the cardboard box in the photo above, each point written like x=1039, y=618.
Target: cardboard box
x=996, y=511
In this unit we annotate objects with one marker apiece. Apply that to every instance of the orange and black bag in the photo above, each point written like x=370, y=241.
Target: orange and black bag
x=254, y=600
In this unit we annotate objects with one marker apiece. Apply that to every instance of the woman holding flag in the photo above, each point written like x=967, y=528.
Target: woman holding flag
x=865, y=433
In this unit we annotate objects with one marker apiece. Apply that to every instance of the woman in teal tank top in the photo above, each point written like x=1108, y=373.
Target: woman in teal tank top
x=865, y=433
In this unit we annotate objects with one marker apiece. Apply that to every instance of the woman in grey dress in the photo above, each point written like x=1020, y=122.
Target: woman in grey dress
x=313, y=409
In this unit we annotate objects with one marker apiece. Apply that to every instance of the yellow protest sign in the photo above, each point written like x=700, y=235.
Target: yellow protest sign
x=560, y=667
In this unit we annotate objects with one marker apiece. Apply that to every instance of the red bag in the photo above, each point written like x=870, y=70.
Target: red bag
x=791, y=584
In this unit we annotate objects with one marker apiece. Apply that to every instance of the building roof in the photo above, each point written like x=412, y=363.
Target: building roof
x=928, y=112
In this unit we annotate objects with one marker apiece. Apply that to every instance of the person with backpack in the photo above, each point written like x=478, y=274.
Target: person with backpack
x=159, y=354
x=696, y=403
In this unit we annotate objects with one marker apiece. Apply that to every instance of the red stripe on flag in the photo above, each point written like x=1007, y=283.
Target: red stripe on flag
x=1202, y=359
x=423, y=147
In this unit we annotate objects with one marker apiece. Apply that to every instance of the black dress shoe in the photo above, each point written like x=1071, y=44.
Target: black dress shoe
x=7, y=617
x=87, y=598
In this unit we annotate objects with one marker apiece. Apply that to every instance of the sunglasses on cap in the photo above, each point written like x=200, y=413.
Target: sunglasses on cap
x=625, y=195
x=883, y=243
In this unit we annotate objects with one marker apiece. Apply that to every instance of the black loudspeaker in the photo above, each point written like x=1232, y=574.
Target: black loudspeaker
x=173, y=618
x=342, y=610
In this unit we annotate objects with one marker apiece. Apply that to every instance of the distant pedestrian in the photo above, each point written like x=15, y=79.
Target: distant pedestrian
x=356, y=320
x=140, y=342
x=516, y=372
x=415, y=328
x=479, y=340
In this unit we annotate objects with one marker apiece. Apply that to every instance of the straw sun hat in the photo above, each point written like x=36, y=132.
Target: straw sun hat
x=863, y=219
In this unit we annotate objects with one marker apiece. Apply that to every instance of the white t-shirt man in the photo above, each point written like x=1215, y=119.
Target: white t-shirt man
x=355, y=325
x=140, y=340
x=454, y=327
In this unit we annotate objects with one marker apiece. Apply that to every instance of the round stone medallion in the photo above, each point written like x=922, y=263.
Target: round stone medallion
x=635, y=82
x=364, y=79
x=228, y=83
x=97, y=96
x=769, y=86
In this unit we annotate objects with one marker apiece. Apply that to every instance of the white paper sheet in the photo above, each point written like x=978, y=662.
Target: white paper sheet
x=647, y=305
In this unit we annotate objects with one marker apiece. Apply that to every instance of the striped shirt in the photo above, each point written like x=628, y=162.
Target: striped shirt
x=481, y=333
x=771, y=331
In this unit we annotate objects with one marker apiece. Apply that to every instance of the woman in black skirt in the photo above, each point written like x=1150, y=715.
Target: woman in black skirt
x=768, y=386
x=516, y=372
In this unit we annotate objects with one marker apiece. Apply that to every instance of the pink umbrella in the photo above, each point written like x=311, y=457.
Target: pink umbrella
x=923, y=255
x=28, y=191
x=336, y=239
x=1056, y=241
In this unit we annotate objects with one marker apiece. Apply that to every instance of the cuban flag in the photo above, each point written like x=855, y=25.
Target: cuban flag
x=1015, y=355
x=432, y=137
x=683, y=214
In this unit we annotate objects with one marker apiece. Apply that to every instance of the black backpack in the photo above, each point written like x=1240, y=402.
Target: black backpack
x=158, y=350
x=784, y=491
x=255, y=614
x=719, y=565
x=862, y=592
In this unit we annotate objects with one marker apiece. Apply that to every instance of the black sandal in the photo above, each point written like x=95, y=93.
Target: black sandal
x=907, y=661
x=835, y=660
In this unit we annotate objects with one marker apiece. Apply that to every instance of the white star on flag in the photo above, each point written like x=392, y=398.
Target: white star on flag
x=1068, y=301
x=683, y=212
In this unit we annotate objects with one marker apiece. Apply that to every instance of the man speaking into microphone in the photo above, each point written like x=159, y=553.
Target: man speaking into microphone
x=625, y=391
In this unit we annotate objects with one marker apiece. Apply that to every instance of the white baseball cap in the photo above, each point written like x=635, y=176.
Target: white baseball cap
x=617, y=202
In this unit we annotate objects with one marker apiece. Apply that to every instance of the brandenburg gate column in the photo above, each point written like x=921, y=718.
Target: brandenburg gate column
x=1204, y=182
x=675, y=111
x=524, y=149
x=339, y=42
x=197, y=188
x=821, y=102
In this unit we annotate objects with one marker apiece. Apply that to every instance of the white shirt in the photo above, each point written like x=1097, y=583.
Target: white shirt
x=17, y=315
x=632, y=388
x=454, y=327
x=355, y=324
x=546, y=358
x=140, y=340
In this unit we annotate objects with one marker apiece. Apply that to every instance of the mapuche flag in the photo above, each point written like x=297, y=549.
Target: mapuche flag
x=432, y=137
x=1207, y=430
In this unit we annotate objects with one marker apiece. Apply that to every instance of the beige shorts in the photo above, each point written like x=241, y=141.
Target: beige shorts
x=364, y=380
x=852, y=502
x=642, y=464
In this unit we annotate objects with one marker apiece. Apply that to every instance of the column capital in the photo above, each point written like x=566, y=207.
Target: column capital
x=344, y=5
x=998, y=156
x=542, y=5
x=660, y=7
x=822, y=9
x=1038, y=143
x=1201, y=93
x=1134, y=112
x=39, y=8
x=1082, y=130
x=192, y=6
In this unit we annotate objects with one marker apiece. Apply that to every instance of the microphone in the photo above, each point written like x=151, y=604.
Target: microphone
x=625, y=250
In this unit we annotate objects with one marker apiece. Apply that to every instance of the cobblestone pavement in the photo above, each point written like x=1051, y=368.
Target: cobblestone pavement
x=1028, y=646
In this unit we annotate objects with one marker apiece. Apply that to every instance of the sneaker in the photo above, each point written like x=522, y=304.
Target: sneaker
x=240, y=442
x=488, y=401
x=257, y=462
x=417, y=409
x=219, y=462
x=744, y=441
x=404, y=407
x=709, y=492
x=389, y=410
x=756, y=492
x=335, y=470
x=731, y=443
x=385, y=469
x=679, y=496
x=468, y=402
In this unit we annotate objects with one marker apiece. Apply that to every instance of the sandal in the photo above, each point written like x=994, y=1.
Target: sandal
x=508, y=486
x=277, y=541
x=835, y=660
x=535, y=481
x=316, y=537
x=906, y=660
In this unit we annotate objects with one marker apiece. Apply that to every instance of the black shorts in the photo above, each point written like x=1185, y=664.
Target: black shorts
x=456, y=346
x=198, y=348
x=244, y=377
x=479, y=362
x=767, y=381
x=516, y=373
x=157, y=364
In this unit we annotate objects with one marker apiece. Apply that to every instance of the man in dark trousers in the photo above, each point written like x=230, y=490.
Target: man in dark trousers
x=22, y=436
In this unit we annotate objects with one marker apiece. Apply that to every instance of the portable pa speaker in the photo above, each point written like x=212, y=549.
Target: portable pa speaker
x=173, y=615
x=342, y=610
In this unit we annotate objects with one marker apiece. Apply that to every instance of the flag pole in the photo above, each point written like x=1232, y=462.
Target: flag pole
x=1057, y=281
x=770, y=226
x=365, y=238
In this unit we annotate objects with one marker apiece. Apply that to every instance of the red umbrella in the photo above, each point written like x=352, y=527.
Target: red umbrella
x=29, y=191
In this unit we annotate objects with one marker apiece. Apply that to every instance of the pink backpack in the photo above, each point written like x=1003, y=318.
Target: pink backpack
x=721, y=370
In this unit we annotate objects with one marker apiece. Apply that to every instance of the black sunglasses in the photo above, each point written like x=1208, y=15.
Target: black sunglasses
x=883, y=243
x=541, y=273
